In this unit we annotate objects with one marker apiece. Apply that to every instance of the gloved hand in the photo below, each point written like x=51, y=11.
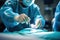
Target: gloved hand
x=38, y=23
x=22, y=18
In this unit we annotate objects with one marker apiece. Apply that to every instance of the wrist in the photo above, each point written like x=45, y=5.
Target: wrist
x=16, y=18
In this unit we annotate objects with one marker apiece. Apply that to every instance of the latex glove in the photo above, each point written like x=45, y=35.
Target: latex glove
x=38, y=23
x=22, y=18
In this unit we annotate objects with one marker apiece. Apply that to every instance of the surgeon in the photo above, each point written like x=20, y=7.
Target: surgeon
x=19, y=14
x=56, y=20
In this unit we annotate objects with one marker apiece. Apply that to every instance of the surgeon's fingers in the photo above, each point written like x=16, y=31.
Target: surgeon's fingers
x=21, y=18
x=24, y=18
x=27, y=20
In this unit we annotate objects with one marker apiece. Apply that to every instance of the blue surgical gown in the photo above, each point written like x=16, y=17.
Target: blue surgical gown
x=13, y=8
x=56, y=24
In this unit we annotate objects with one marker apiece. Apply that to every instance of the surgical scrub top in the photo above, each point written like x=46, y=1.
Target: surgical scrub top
x=56, y=24
x=13, y=8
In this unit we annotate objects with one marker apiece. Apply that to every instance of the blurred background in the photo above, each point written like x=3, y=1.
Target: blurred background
x=47, y=8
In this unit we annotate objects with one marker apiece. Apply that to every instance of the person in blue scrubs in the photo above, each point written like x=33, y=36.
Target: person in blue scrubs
x=19, y=14
x=56, y=20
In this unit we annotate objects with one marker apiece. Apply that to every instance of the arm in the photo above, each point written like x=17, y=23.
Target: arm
x=56, y=22
x=57, y=12
x=57, y=9
x=8, y=15
x=39, y=20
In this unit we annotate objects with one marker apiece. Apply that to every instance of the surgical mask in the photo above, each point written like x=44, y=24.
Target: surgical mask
x=28, y=2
